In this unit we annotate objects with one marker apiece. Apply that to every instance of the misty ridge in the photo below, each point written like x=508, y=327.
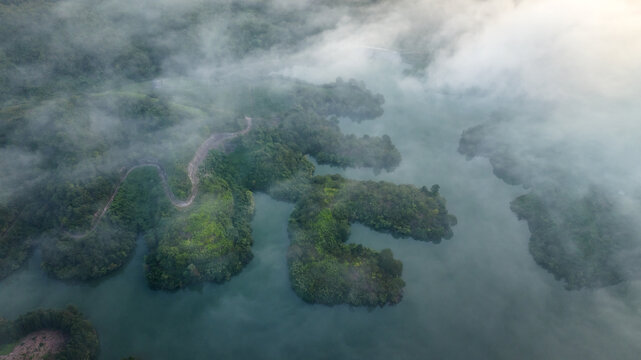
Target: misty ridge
x=103, y=104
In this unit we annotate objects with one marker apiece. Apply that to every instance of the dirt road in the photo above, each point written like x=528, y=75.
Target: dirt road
x=215, y=141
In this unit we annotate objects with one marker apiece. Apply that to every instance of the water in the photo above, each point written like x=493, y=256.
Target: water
x=478, y=295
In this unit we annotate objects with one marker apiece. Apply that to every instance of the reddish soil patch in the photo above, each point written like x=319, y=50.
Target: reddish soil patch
x=36, y=345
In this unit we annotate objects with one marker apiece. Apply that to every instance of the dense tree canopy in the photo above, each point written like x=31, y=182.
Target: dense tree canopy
x=77, y=138
x=81, y=339
x=577, y=232
x=323, y=269
x=583, y=242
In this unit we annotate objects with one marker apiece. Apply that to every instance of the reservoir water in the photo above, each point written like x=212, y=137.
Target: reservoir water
x=478, y=295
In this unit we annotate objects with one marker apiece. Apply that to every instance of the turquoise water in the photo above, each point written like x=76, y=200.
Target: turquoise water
x=478, y=295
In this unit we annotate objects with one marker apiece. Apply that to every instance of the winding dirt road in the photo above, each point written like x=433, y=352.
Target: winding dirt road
x=216, y=140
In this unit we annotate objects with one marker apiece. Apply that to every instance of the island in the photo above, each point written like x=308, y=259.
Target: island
x=190, y=192
x=49, y=334
x=579, y=231
x=323, y=269
x=125, y=141
x=272, y=158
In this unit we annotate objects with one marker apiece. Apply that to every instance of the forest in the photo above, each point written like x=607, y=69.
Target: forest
x=272, y=158
x=323, y=269
x=287, y=179
x=583, y=242
x=77, y=138
x=211, y=240
x=57, y=207
x=81, y=339
x=578, y=232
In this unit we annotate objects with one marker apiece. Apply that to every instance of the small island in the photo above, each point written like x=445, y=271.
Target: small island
x=323, y=269
x=584, y=241
x=49, y=334
x=578, y=233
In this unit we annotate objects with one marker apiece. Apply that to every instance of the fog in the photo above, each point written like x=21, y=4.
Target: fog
x=557, y=81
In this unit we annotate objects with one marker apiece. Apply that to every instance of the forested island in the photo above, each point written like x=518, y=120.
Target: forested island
x=211, y=239
x=578, y=232
x=272, y=158
x=49, y=334
x=279, y=179
x=85, y=234
x=584, y=241
x=152, y=152
x=325, y=270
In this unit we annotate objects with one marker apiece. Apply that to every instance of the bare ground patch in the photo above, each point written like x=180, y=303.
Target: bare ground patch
x=36, y=345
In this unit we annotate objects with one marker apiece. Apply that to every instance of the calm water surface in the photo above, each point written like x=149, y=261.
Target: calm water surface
x=478, y=295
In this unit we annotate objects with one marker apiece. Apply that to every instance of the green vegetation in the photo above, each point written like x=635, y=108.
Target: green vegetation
x=75, y=117
x=66, y=51
x=138, y=206
x=306, y=125
x=101, y=252
x=478, y=141
x=323, y=269
x=75, y=203
x=141, y=202
x=81, y=338
x=272, y=158
x=268, y=97
x=211, y=241
x=16, y=240
x=341, y=98
x=401, y=210
x=581, y=241
x=66, y=187
x=256, y=27
x=61, y=204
